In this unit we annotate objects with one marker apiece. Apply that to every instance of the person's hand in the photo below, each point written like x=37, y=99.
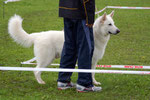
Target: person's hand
x=89, y=25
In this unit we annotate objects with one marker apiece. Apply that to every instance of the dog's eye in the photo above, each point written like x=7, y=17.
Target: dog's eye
x=110, y=24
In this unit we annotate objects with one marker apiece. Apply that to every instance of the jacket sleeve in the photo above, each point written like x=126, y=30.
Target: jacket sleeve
x=89, y=9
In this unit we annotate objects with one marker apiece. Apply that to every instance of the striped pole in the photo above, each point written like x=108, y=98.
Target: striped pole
x=105, y=66
x=124, y=66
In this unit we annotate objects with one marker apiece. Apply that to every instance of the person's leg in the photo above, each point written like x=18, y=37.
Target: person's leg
x=69, y=53
x=85, y=53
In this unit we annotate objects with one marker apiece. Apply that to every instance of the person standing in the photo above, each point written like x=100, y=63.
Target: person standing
x=78, y=16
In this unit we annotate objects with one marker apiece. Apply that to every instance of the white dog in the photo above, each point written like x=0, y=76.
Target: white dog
x=48, y=45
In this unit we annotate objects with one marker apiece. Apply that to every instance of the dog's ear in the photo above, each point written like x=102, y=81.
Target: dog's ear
x=112, y=14
x=103, y=17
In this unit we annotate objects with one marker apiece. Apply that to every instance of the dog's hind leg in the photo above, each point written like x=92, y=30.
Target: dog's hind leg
x=44, y=58
x=37, y=75
x=42, y=64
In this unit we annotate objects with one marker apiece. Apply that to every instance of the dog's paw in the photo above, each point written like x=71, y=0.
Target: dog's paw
x=41, y=82
x=96, y=83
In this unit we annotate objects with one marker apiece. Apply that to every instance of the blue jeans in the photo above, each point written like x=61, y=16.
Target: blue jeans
x=78, y=47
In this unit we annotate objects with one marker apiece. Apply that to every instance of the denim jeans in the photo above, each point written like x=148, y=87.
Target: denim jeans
x=78, y=47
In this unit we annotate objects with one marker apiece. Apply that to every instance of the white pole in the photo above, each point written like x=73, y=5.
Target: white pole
x=121, y=7
x=73, y=70
x=106, y=66
x=100, y=10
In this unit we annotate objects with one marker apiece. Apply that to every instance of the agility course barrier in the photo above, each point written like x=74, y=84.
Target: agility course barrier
x=100, y=66
x=74, y=70
x=10, y=1
x=124, y=66
x=121, y=7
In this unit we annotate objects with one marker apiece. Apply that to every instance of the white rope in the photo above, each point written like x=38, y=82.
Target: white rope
x=73, y=70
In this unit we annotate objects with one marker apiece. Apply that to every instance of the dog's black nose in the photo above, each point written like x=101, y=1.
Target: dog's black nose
x=118, y=31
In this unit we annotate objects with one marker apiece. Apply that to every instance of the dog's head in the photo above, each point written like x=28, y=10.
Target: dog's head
x=107, y=24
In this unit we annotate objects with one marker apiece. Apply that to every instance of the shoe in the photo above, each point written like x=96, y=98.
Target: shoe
x=64, y=86
x=81, y=88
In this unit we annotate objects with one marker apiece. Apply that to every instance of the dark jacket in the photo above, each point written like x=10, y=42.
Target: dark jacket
x=78, y=9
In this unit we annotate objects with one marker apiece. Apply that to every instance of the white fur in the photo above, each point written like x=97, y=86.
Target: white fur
x=48, y=45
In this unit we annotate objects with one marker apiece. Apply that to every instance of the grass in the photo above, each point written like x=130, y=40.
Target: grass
x=130, y=47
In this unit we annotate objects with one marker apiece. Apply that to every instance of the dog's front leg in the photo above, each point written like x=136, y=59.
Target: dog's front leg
x=94, y=63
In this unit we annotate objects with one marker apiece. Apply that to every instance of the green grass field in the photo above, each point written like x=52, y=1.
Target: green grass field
x=130, y=47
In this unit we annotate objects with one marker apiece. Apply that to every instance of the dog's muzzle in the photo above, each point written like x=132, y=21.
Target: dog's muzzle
x=117, y=31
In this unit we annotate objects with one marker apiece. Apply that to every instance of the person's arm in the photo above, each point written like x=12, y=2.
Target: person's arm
x=89, y=8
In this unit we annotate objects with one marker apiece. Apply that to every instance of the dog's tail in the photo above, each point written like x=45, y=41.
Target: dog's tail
x=17, y=32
